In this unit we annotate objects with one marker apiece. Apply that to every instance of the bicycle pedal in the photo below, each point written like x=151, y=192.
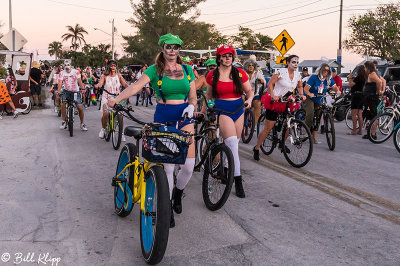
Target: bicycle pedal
x=116, y=180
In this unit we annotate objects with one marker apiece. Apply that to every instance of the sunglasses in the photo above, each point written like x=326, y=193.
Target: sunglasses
x=212, y=67
x=227, y=56
x=325, y=70
x=173, y=47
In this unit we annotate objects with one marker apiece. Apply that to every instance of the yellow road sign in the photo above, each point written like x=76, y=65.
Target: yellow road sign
x=281, y=60
x=283, y=42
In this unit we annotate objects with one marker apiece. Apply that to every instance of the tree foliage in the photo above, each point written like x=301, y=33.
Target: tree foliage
x=376, y=32
x=248, y=39
x=154, y=18
x=90, y=55
x=75, y=34
x=55, y=48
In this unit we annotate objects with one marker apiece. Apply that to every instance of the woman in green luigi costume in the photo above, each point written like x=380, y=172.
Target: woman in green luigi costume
x=176, y=96
x=201, y=83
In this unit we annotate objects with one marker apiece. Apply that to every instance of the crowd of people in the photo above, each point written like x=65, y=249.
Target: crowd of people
x=172, y=82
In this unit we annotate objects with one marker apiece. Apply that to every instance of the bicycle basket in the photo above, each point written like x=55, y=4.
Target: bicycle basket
x=164, y=144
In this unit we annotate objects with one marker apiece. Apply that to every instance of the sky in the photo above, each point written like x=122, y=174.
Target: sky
x=313, y=24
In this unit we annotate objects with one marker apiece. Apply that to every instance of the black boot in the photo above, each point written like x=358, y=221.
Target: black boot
x=239, y=187
x=256, y=154
x=177, y=196
x=172, y=220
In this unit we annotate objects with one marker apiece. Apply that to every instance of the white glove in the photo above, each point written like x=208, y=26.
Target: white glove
x=189, y=110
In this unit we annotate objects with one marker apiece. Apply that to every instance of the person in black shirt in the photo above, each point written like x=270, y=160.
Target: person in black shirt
x=357, y=84
x=35, y=77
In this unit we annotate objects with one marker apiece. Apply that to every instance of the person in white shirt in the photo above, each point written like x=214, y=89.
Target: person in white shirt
x=284, y=81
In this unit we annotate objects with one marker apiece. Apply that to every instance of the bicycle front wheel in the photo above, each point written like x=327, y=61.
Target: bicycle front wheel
x=248, y=126
x=117, y=132
x=396, y=137
x=297, y=147
x=383, y=125
x=201, y=144
x=70, y=120
x=155, y=219
x=123, y=185
x=218, y=177
x=329, y=127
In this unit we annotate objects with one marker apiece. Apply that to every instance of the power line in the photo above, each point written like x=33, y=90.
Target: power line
x=310, y=18
x=324, y=9
x=246, y=11
x=267, y=16
x=91, y=8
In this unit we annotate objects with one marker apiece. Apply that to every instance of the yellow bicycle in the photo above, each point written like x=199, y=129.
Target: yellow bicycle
x=144, y=181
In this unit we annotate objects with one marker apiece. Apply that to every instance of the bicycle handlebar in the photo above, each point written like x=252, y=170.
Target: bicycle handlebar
x=119, y=108
x=219, y=110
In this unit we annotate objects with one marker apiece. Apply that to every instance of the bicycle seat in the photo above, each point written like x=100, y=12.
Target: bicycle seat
x=132, y=131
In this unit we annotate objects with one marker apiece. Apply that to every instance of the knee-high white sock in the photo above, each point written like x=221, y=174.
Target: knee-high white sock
x=169, y=170
x=185, y=173
x=233, y=144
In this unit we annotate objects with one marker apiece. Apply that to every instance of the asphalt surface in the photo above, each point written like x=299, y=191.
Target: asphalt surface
x=56, y=197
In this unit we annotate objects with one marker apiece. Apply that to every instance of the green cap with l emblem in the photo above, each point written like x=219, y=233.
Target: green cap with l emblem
x=169, y=39
x=211, y=62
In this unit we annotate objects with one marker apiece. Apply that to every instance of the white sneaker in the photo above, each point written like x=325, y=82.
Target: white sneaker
x=316, y=141
x=63, y=125
x=83, y=127
x=1, y=117
x=16, y=114
x=102, y=133
x=123, y=138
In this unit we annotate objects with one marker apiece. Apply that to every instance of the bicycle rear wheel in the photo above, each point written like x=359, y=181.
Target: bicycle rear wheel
x=155, y=219
x=70, y=120
x=349, y=122
x=218, y=177
x=123, y=187
x=383, y=124
x=329, y=127
x=117, y=132
x=248, y=126
x=298, y=147
x=108, y=129
x=396, y=137
x=269, y=143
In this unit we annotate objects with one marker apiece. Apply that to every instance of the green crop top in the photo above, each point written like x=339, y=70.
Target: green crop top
x=173, y=89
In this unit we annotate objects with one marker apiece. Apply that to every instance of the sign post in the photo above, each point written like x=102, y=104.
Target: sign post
x=283, y=42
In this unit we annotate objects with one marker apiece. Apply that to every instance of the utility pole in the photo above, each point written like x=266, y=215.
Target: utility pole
x=339, y=52
x=10, y=24
x=112, y=36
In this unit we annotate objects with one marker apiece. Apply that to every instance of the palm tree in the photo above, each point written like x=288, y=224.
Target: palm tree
x=76, y=36
x=55, y=48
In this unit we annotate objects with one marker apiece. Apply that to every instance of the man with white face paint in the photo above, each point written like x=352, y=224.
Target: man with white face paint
x=71, y=78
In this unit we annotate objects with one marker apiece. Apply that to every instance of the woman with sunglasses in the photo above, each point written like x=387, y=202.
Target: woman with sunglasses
x=317, y=84
x=176, y=97
x=112, y=82
x=226, y=85
x=286, y=80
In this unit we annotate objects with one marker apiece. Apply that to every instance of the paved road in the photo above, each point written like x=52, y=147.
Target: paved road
x=56, y=198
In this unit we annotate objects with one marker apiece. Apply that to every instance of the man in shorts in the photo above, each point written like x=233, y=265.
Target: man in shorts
x=70, y=78
x=35, y=78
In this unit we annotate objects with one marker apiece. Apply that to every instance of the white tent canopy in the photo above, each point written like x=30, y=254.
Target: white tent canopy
x=199, y=52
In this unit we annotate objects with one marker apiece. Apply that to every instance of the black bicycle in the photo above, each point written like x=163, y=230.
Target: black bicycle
x=114, y=126
x=290, y=134
x=71, y=99
x=325, y=112
x=214, y=158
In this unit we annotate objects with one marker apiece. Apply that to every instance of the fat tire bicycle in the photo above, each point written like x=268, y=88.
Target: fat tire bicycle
x=145, y=182
x=298, y=136
x=214, y=158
